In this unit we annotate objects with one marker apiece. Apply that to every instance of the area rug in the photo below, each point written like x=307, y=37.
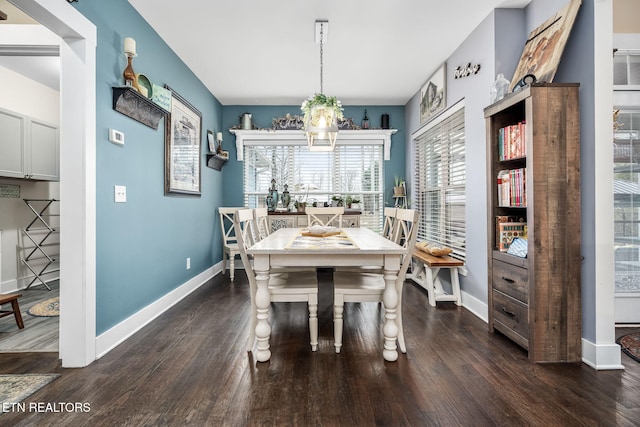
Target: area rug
x=48, y=308
x=15, y=388
x=630, y=344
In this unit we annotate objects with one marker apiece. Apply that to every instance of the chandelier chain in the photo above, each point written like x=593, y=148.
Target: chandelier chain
x=321, y=52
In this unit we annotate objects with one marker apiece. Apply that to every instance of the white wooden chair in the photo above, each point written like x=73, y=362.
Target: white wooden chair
x=229, y=241
x=387, y=232
x=283, y=286
x=324, y=216
x=261, y=223
x=352, y=286
x=387, y=226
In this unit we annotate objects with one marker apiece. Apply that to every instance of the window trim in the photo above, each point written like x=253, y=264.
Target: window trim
x=297, y=137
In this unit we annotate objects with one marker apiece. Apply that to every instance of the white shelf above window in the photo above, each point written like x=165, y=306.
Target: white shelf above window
x=345, y=137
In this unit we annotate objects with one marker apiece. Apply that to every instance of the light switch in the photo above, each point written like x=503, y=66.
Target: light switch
x=120, y=193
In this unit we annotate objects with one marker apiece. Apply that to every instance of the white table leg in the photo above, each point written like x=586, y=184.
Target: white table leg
x=263, y=304
x=390, y=300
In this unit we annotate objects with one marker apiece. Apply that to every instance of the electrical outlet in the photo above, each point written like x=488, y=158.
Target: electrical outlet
x=116, y=136
x=188, y=263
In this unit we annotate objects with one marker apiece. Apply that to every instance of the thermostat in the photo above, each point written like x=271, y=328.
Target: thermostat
x=116, y=136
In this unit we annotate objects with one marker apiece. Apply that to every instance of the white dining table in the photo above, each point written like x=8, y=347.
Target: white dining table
x=368, y=248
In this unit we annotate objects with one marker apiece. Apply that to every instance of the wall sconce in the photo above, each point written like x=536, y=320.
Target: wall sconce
x=128, y=73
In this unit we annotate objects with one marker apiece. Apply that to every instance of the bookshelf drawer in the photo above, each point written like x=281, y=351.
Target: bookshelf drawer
x=511, y=317
x=511, y=280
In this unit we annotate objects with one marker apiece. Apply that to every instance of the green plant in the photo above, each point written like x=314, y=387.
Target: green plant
x=399, y=180
x=350, y=200
x=321, y=100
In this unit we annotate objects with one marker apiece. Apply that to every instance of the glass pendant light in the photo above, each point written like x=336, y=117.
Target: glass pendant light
x=321, y=112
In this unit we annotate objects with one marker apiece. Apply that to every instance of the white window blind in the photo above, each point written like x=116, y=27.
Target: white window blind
x=440, y=183
x=354, y=170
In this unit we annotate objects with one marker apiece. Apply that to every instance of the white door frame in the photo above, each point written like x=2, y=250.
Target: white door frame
x=77, y=175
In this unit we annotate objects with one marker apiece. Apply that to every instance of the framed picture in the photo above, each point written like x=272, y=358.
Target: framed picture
x=545, y=44
x=433, y=95
x=183, y=132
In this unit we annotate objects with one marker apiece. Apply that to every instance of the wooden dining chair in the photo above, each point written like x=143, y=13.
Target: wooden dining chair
x=324, y=216
x=299, y=286
x=229, y=241
x=354, y=286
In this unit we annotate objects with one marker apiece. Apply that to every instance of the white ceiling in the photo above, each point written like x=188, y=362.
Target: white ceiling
x=263, y=52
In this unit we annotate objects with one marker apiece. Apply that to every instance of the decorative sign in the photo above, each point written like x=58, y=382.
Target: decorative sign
x=466, y=71
x=161, y=96
x=545, y=44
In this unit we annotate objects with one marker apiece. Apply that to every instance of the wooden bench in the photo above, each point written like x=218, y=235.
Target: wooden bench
x=15, y=308
x=425, y=271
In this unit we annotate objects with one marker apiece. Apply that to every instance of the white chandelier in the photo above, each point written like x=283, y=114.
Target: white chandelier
x=321, y=112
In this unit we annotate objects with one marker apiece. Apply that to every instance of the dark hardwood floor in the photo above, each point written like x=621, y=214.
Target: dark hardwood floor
x=191, y=367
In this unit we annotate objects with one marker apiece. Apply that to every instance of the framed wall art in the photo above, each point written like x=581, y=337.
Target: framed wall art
x=433, y=95
x=183, y=132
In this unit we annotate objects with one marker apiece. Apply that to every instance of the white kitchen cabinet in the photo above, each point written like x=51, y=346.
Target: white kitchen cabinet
x=30, y=147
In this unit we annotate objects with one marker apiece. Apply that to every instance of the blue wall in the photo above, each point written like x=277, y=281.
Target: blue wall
x=142, y=245
x=262, y=117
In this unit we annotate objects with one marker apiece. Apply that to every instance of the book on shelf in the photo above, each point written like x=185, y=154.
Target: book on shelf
x=509, y=231
x=512, y=141
x=502, y=219
x=512, y=187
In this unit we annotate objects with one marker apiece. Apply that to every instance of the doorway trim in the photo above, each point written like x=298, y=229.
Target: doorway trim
x=77, y=175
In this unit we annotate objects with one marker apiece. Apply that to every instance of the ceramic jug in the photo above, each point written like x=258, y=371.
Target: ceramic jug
x=245, y=121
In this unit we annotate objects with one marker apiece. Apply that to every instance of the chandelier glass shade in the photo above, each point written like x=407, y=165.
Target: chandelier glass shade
x=321, y=125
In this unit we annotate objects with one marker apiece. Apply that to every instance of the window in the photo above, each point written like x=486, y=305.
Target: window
x=626, y=189
x=352, y=169
x=626, y=68
x=440, y=181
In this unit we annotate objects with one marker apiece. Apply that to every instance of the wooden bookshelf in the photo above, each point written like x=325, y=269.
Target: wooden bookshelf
x=535, y=300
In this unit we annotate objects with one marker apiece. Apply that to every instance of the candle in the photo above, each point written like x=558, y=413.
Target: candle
x=219, y=136
x=130, y=46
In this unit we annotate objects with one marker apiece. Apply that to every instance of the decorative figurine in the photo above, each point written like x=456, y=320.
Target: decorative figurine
x=273, y=192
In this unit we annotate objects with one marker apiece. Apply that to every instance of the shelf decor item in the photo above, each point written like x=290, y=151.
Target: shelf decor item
x=128, y=74
x=365, y=120
x=321, y=112
x=544, y=46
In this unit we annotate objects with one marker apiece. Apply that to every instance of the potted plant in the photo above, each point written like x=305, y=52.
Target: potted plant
x=300, y=206
x=398, y=188
x=337, y=201
x=350, y=201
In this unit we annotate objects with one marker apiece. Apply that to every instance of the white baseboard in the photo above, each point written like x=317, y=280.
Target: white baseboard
x=474, y=305
x=601, y=356
x=9, y=286
x=110, y=339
